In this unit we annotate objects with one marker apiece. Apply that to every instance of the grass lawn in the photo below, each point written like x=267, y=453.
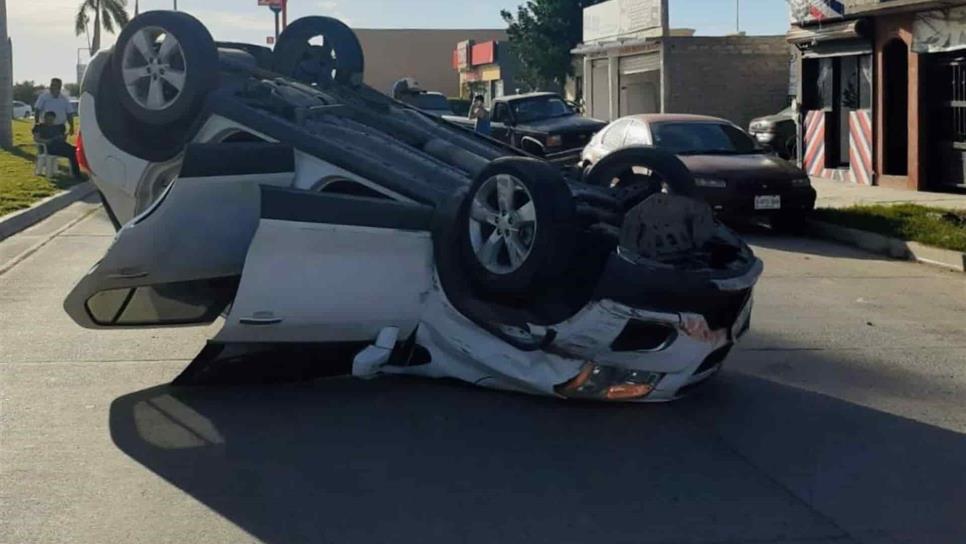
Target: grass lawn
x=19, y=187
x=931, y=226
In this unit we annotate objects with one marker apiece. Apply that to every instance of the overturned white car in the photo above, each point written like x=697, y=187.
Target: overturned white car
x=338, y=231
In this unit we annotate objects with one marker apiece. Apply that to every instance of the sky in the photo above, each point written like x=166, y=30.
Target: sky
x=44, y=44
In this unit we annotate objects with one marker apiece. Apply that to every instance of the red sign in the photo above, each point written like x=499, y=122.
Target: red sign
x=270, y=40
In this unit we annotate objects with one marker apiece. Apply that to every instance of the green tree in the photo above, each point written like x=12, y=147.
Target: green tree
x=543, y=32
x=109, y=14
x=26, y=91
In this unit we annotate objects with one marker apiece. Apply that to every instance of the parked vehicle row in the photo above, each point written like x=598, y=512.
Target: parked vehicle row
x=341, y=231
x=22, y=110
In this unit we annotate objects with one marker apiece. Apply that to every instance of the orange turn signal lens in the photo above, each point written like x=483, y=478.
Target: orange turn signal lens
x=626, y=391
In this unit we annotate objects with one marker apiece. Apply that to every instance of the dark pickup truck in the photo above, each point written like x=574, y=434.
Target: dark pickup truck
x=539, y=123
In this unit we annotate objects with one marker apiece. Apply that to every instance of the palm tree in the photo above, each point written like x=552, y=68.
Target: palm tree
x=107, y=13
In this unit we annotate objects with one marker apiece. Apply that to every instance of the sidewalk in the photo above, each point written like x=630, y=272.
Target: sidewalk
x=834, y=194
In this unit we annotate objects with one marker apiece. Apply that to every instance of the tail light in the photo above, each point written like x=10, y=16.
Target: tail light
x=81, y=155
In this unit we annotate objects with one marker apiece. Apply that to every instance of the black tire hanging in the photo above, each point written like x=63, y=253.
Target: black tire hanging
x=619, y=164
x=552, y=240
x=200, y=67
x=339, y=58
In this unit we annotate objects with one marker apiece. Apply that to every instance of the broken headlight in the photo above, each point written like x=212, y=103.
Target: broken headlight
x=597, y=382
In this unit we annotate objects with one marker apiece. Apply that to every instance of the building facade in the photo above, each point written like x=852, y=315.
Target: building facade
x=630, y=63
x=883, y=91
x=423, y=54
x=485, y=68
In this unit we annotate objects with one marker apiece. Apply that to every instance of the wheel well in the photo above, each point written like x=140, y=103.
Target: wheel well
x=346, y=186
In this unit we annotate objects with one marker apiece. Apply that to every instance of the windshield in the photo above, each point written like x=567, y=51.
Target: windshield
x=429, y=102
x=540, y=107
x=702, y=139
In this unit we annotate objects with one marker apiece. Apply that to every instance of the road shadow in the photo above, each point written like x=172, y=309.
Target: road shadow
x=342, y=460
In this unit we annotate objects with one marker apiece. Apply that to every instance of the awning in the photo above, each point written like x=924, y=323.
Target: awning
x=939, y=31
x=841, y=48
x=810, y=36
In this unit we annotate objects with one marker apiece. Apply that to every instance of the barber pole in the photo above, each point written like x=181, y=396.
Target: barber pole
x=860, y=147
x=815, y=143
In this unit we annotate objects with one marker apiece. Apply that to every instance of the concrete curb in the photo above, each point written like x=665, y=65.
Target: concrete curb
x=17, y=221
x=890, y=247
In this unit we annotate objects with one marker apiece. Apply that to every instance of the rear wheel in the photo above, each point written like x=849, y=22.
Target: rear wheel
x=636, y=173
x=319, y=50
x=166, y=63
x=517, y=224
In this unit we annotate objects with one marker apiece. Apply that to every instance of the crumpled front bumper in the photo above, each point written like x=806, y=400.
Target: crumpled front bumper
x=463, y=350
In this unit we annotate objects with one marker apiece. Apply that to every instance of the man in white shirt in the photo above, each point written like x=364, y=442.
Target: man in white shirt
x=54, y=101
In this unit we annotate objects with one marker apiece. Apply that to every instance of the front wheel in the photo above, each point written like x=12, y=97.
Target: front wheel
x=518, y=223
x=166, y=62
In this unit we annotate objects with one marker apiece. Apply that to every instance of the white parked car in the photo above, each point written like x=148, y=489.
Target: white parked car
x=21, y=110
x=339, y=231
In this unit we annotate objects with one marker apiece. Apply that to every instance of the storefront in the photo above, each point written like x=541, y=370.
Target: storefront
x=632, y=62
x=837, y=100
x=485, y=68
x=883, y=92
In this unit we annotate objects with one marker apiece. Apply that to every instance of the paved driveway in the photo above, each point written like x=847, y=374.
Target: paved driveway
x=841, y=419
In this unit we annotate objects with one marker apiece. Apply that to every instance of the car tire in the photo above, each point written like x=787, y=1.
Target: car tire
x=155, y=66
x=339, y=58
x=517, y=242
x=620, y=163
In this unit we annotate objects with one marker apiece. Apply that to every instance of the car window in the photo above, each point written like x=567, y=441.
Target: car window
x=500, y=113
x=614, y=137
x=702, y=139
x=637, y=134
x=539, y=107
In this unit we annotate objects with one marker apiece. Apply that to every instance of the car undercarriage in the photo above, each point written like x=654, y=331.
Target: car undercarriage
x=335, y=230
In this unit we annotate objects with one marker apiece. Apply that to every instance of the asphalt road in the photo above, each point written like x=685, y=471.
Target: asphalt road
x=841, y=419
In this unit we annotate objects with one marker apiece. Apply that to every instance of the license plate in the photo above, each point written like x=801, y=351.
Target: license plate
x=768, y=202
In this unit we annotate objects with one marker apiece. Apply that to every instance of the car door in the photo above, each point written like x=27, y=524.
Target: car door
x=180, y=261
x=289, y=265
x=329, y=268
x=500, y=122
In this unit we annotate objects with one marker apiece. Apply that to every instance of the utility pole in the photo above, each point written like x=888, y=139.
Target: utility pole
x=176, y=5
x=6, y=81
x=737, y=16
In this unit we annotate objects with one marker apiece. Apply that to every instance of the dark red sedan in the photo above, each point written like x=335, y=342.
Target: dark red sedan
x=734, y=175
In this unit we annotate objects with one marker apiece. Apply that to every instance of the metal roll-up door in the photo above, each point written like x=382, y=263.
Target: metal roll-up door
x=600, y=89
x=637, y=64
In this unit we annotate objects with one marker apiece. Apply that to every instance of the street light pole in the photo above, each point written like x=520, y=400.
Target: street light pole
x=176, y=5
